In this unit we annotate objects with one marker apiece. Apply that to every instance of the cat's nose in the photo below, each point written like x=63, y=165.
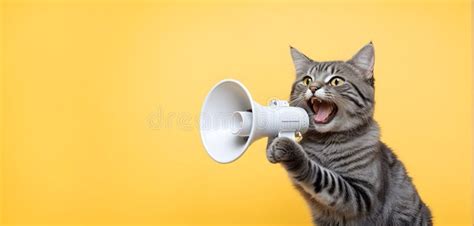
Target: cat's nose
x=313, y=87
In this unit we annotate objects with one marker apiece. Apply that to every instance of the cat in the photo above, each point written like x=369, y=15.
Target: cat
x=344, y=172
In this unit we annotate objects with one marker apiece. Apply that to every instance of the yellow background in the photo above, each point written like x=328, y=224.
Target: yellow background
x=100, y=102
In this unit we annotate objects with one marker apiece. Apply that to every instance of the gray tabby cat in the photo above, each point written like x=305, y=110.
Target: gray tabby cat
x=342, y=169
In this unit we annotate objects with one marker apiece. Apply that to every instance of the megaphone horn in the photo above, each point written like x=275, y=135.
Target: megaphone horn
x=230, y=121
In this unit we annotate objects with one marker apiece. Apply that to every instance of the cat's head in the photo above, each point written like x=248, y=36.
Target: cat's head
x=338, y=95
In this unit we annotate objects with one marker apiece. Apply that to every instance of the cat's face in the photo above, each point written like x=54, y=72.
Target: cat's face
x=338, y=95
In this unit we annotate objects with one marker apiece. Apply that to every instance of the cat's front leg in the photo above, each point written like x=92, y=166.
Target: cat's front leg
x=351, y=195
x=286, y=151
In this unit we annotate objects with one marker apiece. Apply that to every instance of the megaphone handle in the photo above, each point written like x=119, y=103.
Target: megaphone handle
x=288, y=134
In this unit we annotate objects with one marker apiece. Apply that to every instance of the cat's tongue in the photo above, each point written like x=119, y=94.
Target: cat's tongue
x=322, y=112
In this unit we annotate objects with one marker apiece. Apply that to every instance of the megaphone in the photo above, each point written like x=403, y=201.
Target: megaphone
x=230, y=121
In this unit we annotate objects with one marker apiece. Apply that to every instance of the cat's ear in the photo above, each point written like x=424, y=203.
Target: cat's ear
x=364, y=60
x=300, y=61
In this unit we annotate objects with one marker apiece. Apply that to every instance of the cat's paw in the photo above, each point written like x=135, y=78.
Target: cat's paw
x=283, y=149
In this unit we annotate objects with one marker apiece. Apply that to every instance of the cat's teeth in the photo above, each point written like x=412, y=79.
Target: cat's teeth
x=320, y=101
x=312, y=100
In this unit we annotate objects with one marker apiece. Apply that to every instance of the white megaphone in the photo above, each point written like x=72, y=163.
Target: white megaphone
x=230, y=121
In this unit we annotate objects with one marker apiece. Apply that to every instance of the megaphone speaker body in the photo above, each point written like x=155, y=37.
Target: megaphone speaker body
x=230, y=121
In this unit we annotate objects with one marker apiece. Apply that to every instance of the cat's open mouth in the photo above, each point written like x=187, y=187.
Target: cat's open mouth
x=324, y=111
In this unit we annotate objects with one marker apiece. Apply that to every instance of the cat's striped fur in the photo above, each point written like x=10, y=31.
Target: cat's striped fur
x=342, y=169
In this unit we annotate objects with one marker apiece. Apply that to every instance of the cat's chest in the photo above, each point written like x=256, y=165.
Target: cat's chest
x=318, y=152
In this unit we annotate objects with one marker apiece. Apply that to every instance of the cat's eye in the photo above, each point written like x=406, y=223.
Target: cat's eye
x=336, y=81
x=307, y=80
